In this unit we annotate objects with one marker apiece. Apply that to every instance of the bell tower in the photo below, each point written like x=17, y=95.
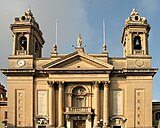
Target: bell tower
x=135, y=35
x=27, y=42
x=27, y=36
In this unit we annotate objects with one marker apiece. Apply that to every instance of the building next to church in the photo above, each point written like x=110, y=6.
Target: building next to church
x=3, y=106
x=156, y=114
x=79, y=90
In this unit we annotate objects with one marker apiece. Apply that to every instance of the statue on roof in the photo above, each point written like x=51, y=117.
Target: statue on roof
x=134, y=12
x=29, y=12
x=79, y=40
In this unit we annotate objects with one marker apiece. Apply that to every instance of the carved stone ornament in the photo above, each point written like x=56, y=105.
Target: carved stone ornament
x=79, y=117
x=139, y=63
x=134, y=17
x=51, y=83
x=41, y=120
x=55, y=48
x=106, y=83
x=80, y=92
x=60, y=83
x=96, y=83
x=104, y=48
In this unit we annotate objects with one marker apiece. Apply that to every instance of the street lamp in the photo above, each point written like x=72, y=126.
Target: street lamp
x=100, y=124
x=4, y=124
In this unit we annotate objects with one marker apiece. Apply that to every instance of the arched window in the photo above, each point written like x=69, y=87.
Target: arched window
x=137, y=43
x=79, y=99
x=23, y=43
x=157, y=115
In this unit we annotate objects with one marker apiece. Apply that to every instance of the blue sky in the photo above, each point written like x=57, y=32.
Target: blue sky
x=84, y=16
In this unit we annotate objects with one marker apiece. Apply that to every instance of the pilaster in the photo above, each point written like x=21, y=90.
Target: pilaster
x=61, y=104
x=96, y=103
x=106, y=103
x=51, y=104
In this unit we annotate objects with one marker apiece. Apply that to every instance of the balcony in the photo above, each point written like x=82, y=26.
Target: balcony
x=21, y=52
x=78, y=110
x=138, y=52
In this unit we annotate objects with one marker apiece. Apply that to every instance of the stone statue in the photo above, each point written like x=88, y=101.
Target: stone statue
x=79, y=40
x=134, y=12
x=144, y=20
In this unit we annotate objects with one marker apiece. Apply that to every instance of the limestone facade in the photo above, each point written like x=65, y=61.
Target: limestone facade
x=79, y=90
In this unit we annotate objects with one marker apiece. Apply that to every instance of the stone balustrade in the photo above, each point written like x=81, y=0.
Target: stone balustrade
x=78, y=110
x=138, y=52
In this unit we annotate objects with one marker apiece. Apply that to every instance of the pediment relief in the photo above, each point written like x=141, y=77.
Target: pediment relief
x=78, y=60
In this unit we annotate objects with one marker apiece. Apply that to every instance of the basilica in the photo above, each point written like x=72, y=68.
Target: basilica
x=78, y=89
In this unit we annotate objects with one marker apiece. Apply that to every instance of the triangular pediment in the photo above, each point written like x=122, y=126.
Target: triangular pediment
x=78, y=60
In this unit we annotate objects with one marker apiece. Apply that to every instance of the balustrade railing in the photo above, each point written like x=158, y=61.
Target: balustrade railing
x=138, y=52
x=79, y=109
x=21, y=52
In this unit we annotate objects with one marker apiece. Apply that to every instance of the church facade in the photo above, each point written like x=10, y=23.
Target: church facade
x=79, y=90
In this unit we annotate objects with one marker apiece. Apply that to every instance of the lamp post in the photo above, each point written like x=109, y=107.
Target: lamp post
x=4, y=124
x=101, y=124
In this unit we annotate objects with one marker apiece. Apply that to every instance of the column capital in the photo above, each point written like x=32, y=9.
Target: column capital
x=96, y=83
x=60, y=83
x=69, y=94
x=51, y=83
x=106, y=83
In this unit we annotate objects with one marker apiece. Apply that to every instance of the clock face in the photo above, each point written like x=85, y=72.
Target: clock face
x=21, y=63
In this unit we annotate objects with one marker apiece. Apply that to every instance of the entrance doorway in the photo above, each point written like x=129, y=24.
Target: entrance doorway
x=79, y=124
x=41, y=126
x=116, y=126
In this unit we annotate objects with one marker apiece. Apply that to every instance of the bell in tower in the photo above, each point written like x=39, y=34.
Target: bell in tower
x=28, y=38
x=135, y=35
x=23, y=43
x=137, y=43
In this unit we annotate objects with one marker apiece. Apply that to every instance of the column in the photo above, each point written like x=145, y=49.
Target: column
x=106, y=104
x=61, y=105
x=131, y=51
x=51, y=104
x=70, y=100
x=14, y=43
x=96, y=103
x=145, y=44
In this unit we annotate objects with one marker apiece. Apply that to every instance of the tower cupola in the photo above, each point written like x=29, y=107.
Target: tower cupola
x=135, y=35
